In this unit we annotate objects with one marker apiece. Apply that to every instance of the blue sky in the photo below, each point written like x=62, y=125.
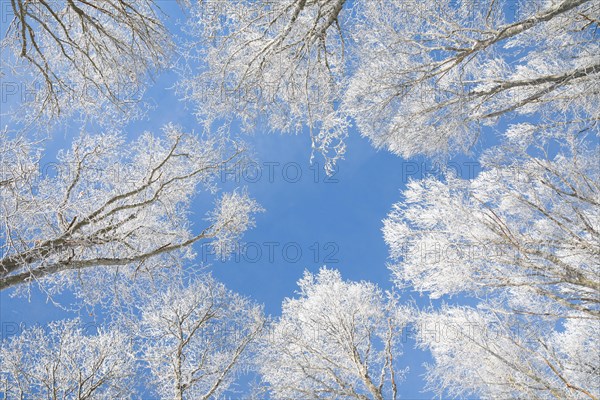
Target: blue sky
x=310, y=220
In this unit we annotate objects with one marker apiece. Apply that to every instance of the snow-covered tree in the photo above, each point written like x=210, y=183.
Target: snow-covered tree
x=527, y=225
x=64, y=362
x=280, y=60
x=430, y=74
x=109, y=202
x=176, y=338
x=416, y=77
x=487, y=353
x=523, y=239
x=338, y=339
x=196, y=338
x=83, y=56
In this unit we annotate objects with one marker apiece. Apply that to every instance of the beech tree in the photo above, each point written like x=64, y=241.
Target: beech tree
x=176, y=338
x=523, y=238
x=112, y=203
x=338, y=339
x=527, y=225
x=487, y=353
x=196, y=337
x=277, y=60
x=63, y=362
x=432, y=74
x=415, y=77
x=92, y=57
